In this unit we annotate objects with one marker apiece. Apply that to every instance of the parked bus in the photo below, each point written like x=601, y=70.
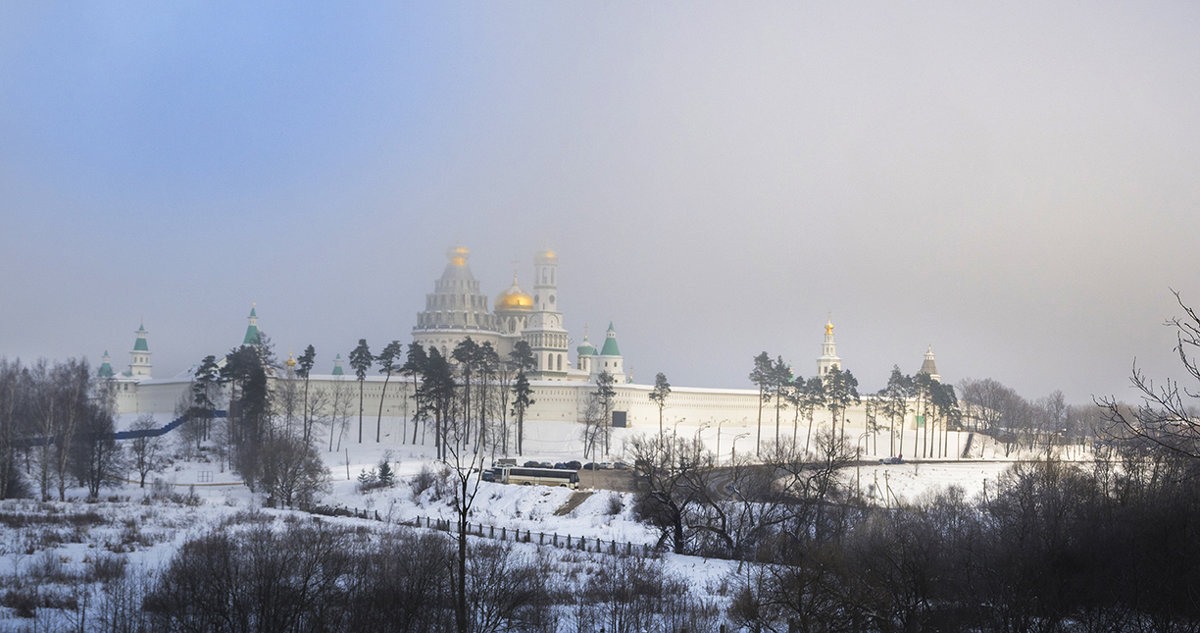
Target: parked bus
x=540, y=476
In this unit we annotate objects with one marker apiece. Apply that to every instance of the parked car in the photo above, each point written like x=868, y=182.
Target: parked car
x=605, y=465
x=620, y=466
x=560, y=465
x=591, y=466
x=574, y=465
x=488, y=475
x=505, y=461
x=899, y=459
x=545, y=465
x=532, y=464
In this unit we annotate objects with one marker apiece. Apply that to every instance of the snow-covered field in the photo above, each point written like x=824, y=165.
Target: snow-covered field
x=146, y=526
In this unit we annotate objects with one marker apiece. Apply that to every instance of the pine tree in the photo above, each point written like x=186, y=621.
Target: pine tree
x=360, y=360
x=304, y=366
x=521, y=358
x=414, y=365
x=387, y=360
x=761, y=376
x=662, y=389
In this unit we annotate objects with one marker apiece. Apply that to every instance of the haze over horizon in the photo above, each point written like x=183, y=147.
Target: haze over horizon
x=1012, y=185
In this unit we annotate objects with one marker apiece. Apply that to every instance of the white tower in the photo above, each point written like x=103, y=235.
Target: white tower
x=829, y=358
x=610, y=359
x=139, y=356
x=544, y=329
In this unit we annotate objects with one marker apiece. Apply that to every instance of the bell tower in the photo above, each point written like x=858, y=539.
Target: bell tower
x=544, y=329
x=829, y=358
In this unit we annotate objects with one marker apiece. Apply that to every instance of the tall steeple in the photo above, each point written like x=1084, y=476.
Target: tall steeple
x=544, y=328
x=252, y=334
x=930, y=367
x=139, y=356
x=829, y=358
x=337, y=366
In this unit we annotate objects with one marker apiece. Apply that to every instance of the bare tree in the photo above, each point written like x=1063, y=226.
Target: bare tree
x=1165, y=417
x=673, y=475
x=145, y=449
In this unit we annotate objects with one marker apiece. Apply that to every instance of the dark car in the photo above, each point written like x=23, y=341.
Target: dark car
x=545, y=465
x=560, y=466
x=620, y=466
x=892, y=460
x=591, y=466
x=574, y=465
x=532, y=464
x=488, y=475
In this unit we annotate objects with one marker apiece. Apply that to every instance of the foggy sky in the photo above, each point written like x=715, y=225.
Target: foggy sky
x=1015, y=185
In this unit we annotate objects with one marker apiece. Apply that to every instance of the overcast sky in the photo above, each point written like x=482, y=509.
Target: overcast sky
x=1017, y=185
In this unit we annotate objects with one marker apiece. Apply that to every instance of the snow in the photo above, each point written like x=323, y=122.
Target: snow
x=147, y=527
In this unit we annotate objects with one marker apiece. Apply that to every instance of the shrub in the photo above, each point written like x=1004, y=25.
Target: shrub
x=106, y=568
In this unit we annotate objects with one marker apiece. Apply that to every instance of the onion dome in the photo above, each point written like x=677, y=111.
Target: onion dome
x=586, y=348
x=514, y=299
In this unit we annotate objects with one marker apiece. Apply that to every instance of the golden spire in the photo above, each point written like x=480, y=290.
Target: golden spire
x=829, y=325
x=291, y=362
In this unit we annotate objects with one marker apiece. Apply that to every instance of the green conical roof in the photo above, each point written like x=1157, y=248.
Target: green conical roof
x=106, y=370
x=337, y=366
x=252, y=337
x=610, y=343
x=139, y=344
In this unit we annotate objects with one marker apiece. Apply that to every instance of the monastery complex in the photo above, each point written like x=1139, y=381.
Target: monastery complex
x=562, y=383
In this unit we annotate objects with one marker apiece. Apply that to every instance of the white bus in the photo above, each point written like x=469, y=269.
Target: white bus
x=540, y=476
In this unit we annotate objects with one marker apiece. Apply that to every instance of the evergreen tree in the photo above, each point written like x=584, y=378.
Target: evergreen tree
x=438, y=391
x=761, y=377
x=304, y=366
x=487, y=364
x=895, y=403
x=414, y=366
x=658, y=395
x=841, y=390
x=781, y=378
x=522, y=359
x=388, y=363
x=249, y=408
x=360, y=360
x=205, y=382
x=814, y=398
x=466, y=354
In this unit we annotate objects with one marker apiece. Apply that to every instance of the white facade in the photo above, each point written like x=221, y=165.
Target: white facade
x=458, y=309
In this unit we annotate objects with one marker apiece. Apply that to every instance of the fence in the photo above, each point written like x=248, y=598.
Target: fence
x=518, y=535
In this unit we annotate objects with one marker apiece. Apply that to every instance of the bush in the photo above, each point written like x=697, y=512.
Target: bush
x=428, y=479
x=106, y=568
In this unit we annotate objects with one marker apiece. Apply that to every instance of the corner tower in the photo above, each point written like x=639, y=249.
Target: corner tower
x=139, y=356
x=544, y=328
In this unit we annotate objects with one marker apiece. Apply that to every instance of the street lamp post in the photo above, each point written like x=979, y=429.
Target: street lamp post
x=733, y=451
x=719, y=437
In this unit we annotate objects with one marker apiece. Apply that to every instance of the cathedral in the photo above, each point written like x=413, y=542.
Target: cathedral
x=457, y=310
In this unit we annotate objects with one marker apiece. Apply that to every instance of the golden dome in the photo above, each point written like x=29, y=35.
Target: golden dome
x=829, y=327
x=514, y=299
x=458, y=255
